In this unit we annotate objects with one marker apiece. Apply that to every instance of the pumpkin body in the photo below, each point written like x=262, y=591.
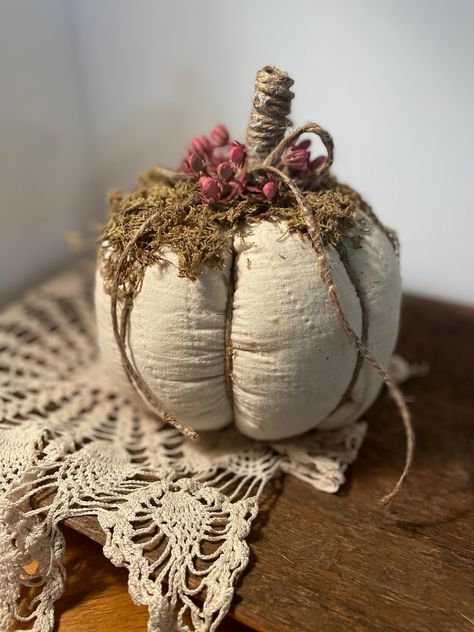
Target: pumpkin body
x=292, y=362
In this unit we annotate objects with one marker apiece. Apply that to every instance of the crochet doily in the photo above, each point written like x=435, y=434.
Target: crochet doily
x=175, y=512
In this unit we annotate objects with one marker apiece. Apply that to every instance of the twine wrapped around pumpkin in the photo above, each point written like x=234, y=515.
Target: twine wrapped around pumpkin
x=266, y=144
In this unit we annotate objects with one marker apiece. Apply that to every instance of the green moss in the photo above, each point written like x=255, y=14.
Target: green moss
x=198, y=232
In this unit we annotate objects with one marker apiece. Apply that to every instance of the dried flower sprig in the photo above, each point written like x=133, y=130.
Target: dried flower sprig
x=220, y=167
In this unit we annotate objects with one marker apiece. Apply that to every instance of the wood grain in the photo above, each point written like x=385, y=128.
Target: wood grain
x=337, y=563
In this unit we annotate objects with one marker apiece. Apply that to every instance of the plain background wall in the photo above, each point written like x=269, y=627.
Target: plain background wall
x=94, y=91
x=44, y=191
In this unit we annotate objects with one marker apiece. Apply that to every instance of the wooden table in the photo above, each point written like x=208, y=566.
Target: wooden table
x=338, y=563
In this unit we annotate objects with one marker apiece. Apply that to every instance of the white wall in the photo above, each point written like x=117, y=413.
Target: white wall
x=44, y=186
x=391, y=79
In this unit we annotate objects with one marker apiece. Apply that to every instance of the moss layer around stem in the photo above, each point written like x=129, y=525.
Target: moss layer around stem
x=198, y=232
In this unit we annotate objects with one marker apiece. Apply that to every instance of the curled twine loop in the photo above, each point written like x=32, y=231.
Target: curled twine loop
x=120, y=329
x=120, y=335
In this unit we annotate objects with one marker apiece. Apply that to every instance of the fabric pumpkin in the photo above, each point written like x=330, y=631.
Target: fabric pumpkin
x=276, y=360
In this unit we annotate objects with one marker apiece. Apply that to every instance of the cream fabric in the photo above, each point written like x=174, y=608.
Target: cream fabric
x=177, y=341
x=292, y=358
x=292, y=361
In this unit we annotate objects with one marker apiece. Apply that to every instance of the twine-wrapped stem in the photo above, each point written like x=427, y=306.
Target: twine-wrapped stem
x=270, y=111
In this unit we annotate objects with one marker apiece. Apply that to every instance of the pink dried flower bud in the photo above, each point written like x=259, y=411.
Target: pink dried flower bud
x=270, y=191
x=195, y=164
x=210, y=191
x=297, y=157
x=201, y=144
x=317, y=163
x=237, y=153
x=303, y=144
x=225, y=171
x=220, y=135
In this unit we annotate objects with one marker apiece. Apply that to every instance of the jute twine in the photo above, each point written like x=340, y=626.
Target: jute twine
x=266, y=143
x=269, y=117
x=120, y=329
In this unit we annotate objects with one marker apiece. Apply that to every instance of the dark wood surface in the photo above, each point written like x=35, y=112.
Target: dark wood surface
x=337, y=563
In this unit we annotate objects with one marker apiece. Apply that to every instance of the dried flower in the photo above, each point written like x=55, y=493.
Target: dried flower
x=194, y=164
x=220, y=136
x=317, y=163
x=224, y=178
x=297, y=159
x=225, y=171
x=237, y=153
x=201, y=145
x=304, y=144
x=210, y=190
x=270, y=191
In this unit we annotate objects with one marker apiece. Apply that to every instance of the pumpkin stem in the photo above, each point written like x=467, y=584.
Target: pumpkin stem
x=270, y=110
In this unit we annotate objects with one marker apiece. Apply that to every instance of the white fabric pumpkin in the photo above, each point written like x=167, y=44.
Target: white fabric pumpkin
x=292, y=360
